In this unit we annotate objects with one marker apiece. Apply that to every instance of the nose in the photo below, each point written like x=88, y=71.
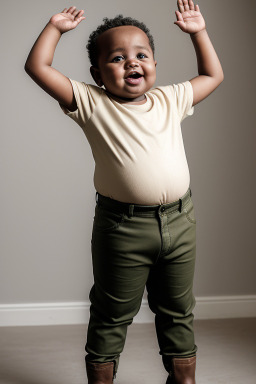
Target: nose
x=131, y=63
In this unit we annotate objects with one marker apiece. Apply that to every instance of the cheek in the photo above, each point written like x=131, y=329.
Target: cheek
x=152, y=73
x=112, y=74
x=151, y=69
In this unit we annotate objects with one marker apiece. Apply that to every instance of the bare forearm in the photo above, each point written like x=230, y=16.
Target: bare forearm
x=210, y=73
x=42, y=52
x=207, y=60
x=39, y=62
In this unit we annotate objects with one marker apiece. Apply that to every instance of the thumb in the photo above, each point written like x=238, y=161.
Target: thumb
x=180, y=24
x=80, y=19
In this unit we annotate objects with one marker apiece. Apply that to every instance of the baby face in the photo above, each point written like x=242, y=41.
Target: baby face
x=126, y=65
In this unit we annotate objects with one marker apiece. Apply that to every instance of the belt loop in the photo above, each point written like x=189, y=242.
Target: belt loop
x=181, y=204
x=131, y=208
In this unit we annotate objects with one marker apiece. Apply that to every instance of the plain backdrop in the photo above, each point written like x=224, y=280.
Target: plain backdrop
x=47, y=194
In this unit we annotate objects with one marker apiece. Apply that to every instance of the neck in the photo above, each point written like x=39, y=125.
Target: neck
x=137, y=100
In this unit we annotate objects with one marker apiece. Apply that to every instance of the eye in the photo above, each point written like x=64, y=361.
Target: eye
x=117, y=59
x=141, y=56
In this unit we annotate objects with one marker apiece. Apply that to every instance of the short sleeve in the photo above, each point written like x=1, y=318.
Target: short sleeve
x=86, y=96
x=183, y=97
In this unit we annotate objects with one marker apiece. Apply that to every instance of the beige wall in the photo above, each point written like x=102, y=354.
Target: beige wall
x=47, y=194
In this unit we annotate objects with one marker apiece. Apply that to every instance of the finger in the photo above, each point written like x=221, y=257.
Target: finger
x=79, y=14
x=191, y=5
x=181, y=24
x=76, y=13
x=186, y=6
x=64, y=10
x=197, y=8
x=180, y=5
x=178, y=16
x=71, y=9
x=80, y=19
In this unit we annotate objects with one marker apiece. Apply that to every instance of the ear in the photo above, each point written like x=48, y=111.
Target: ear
x=95, y=72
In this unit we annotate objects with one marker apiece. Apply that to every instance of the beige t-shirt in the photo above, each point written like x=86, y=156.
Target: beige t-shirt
x=138, y=149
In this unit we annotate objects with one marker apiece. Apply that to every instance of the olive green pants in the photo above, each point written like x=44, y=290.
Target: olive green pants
x=134, y=246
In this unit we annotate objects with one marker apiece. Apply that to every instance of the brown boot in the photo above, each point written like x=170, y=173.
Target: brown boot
x=100, y=373
x=183, y=371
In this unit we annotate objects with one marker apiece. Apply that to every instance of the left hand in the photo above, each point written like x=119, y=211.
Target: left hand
x=68, y=19
x=189, y=17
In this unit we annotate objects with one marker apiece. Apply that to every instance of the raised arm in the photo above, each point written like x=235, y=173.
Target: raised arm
x=39, y=61
x=210, y=73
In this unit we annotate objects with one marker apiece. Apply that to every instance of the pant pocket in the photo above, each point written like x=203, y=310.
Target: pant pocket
x=106, y=220
x=190, y=212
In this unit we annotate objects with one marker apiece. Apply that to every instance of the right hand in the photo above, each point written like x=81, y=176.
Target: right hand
x=68, y=19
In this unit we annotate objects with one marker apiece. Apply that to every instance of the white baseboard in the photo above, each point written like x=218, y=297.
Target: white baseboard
x=219, y=307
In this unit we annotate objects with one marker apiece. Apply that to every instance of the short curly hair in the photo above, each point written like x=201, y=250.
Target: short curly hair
x=117, y=21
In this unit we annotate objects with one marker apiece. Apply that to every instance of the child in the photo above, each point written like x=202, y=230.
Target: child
x=144, y=230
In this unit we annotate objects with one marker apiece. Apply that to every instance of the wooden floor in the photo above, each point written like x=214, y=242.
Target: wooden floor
x=55, y=354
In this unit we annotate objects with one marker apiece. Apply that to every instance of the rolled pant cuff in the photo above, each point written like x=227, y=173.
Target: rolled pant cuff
x=102, y=359
x=167, y=359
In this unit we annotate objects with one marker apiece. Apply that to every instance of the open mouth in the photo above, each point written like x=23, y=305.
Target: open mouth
x=134, y=75
x=134, y=78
